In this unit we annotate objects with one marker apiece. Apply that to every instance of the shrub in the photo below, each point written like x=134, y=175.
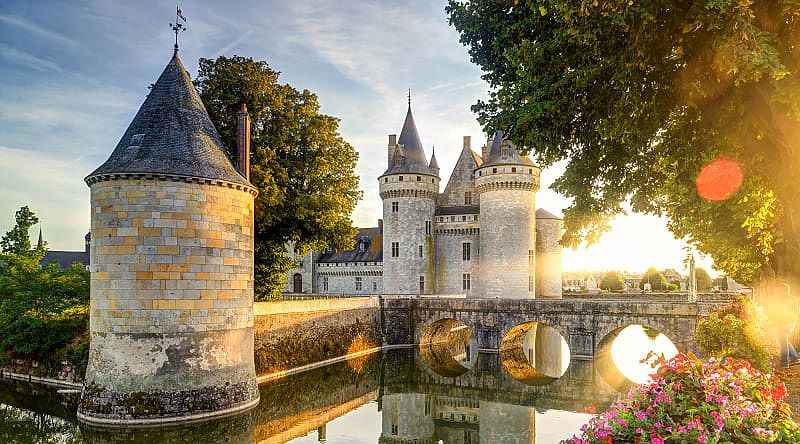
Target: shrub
x=735, y=331
x=717, y=401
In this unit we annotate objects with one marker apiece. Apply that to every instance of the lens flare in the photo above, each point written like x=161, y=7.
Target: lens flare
x=719, y=179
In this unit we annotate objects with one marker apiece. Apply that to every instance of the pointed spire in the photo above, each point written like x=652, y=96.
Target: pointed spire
x=414, y=160
x=502, y=151
x=434, y=165
x=40, y=242
x=171, y=134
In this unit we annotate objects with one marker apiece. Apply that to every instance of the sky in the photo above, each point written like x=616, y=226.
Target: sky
x=75, y=73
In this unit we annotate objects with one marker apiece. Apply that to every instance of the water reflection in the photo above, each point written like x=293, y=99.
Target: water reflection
x=392, y=397
x=535, y=353
x=620, y=355
x=449, y=348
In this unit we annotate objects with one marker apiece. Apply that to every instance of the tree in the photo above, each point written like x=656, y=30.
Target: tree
x=704, y=281
x=656, y=280
x=613, y=281
x=18, y=239
x=301, y=165
x=684, y=109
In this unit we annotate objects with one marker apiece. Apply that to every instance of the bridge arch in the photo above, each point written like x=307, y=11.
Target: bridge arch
x=626, y=371
x=449, y=347
x=534, y=353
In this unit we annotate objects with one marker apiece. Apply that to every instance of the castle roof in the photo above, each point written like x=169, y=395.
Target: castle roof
x=541, y=213
x=172, y=134
x=371, y=238
x=503, y=152
x=461, y=180
x=413, y=155
x=434, y=164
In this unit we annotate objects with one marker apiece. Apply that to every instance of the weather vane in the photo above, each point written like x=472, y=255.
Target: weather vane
x=178, y=27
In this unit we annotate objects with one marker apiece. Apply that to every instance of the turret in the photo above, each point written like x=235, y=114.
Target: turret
x=408, y=189
x=171, y=318
x=507, y=184
x=548, y=254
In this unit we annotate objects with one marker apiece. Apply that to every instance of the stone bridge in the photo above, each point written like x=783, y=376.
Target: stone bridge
x=583, y=323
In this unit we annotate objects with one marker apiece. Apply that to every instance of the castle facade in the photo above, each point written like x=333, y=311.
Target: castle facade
x=482, y=236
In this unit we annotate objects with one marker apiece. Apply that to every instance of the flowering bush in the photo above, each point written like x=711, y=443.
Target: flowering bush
x=717, y=401
x=735, y=331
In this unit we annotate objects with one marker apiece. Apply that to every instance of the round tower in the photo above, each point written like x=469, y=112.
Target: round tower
x=408, y=190
x=171, y=317
x=507, y=185
x=548, y=254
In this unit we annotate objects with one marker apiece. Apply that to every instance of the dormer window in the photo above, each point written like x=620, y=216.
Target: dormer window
x=362, y=245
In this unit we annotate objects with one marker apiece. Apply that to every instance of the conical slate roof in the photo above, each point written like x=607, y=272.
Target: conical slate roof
x=541, y=213
x=414, y=160
x=171, y=135
x=500, y=156
x=434, y=164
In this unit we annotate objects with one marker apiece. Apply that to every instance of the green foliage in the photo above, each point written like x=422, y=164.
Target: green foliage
x=704, y=281
x=656, y=280
x=637, y=97
x=735, y=331
x=42, y=308
x=303, y=168
x=18, y=240
x=613, y=281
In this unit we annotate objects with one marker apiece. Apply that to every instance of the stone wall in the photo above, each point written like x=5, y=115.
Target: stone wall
x=171, y=318
x=450, y=263
x=548, y=258
x=291, y=334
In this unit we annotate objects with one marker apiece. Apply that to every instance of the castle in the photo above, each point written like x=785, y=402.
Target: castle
x=481, y=237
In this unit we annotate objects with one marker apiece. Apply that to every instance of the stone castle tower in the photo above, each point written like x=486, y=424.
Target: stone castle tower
x=507, y=186
x=408, y=190
x=171, y=317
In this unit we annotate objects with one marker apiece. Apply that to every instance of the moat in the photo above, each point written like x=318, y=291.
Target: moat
x=394, y=396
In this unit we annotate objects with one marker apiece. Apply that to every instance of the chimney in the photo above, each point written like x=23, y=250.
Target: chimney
x=380, y=225
x=243, y=141
x=390, y=150
x=467, y=142
x=485, y=151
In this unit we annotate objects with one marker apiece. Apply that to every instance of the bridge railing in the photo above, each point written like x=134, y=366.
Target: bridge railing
x=310, y=296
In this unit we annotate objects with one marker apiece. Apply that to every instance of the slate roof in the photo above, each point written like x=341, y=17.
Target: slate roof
x=374, y=249
x=65, y=259
x=172, y=134
x=462, y=209
x=541, y=213
x=499, y=156
x=413, y=160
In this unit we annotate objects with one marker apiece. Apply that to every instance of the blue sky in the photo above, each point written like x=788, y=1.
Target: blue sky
x=74, y=73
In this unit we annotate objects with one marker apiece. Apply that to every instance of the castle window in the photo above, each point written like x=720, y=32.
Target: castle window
x=386, y=180
x=401, y=178
x=394, y=429
x=420, y=251
x=325, y=283
x=422, y=284
x=463, y=218
x=530, y=170
x=452, y=218
x=466, y=253
x=513, y=169
x=419, y=179
x=358, y=283
x=428, y=226
x=466, y=281
x=468, y=198
x=494, y=170
x=362, y=246
x=374, y=286
x=530, y=283
x=395, y=249
x=475, y=217
x=395, y=207
x=433, y=180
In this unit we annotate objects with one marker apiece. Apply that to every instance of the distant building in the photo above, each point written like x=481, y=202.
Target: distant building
x=481, y=237
x=65, y=259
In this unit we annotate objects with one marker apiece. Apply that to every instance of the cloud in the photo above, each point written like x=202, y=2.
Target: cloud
x=27, y=60
x=40, y=31
x=235, y=43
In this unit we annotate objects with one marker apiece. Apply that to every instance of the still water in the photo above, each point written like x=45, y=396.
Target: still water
x=447, y=392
